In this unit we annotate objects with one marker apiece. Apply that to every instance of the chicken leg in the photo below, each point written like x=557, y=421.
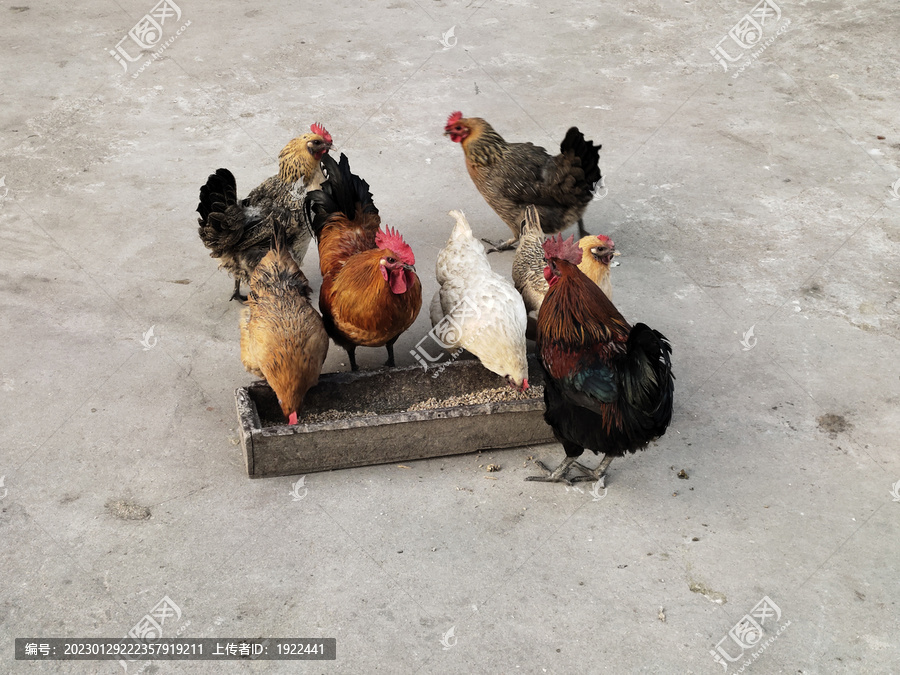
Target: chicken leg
x=581, y=231
x=351, y=354
x=598, y=474
x=390, y=350
x=237, y=293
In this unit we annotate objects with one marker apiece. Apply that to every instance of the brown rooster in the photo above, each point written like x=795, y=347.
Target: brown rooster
x=370, y=291
x=528, y=265
x=510, y=176
x=238, y=232
x=283, y=338
x=608, y=386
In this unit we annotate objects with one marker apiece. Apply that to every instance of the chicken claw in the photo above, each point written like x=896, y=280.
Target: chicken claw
x=598, y=474
x=558, y=475
x=507, y=245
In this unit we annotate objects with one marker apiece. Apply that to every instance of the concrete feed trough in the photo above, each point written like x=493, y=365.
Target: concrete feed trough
x=388, y=432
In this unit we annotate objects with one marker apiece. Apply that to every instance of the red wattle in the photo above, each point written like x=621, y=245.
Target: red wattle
x=398, y=282
x=293, y=418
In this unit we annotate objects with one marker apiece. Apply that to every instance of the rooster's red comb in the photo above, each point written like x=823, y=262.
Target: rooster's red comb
x=391, y=239
x=317, y=128
x=562, y=249
x=453, y=119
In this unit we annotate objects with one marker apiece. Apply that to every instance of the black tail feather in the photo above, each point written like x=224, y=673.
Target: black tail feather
x=221, y=223
x=219, y=193
x=650, y=361
x=587, y=152
x=343, y=192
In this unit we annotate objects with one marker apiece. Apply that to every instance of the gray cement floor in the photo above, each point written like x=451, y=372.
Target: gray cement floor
x=762, y=201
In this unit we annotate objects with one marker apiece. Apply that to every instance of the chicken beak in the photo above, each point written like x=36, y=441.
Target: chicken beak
x=410, y=267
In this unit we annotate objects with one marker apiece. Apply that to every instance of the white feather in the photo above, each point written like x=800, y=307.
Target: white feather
x=494, y=327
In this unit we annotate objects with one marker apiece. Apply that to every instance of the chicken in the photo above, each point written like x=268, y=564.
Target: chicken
x=608, y=386
x=510, y=176
x=283, y=338
x=238, y=233
x=477, y=309
x=528, y=265
x=370, y=291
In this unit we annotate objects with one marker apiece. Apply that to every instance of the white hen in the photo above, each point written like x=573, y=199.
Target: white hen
x=477, y=309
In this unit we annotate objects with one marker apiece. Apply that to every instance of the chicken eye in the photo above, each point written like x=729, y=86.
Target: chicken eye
x=391, y=260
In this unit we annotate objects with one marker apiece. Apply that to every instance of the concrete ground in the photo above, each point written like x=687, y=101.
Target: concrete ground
x=760, y=232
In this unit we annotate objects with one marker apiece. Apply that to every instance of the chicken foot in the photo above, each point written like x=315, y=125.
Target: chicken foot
x=598, y=474
x=557, y=475
x=507, y=245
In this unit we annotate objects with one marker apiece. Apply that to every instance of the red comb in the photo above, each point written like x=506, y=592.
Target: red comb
x=391, y=239
x=317, y=128
x=562, y=249
x=453, y=119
